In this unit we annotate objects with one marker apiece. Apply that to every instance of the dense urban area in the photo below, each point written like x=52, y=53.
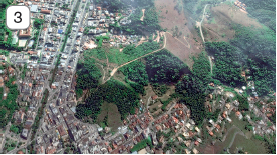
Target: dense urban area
x=139, y=77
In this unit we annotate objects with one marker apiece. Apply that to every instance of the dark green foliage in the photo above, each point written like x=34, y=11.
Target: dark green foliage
x=159, y=89
x=190, y=90
x=163, y=67
x=38, y=23
x=243, y=103
x=228, y=65
x=165, y=103
x=116, y=92
x=135, y=71
x=99, y=40
x=112, y=91
x=88, y=75
x=79, y=93
x=40, y=113
x=98, y=53
x=8, y=106
x=1, y=92
x=137, y=87
x=85, y=110
x=69, y=26
x=17, y=128
x=213, y=115
x=4, y=52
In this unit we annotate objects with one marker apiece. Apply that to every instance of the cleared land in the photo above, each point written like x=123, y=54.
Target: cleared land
x=217, y=26
x=248, y=145
x=110, y=110
x=185, y=46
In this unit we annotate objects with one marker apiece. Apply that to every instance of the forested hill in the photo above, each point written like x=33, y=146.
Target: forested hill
x=253, y=49
x=263, y=10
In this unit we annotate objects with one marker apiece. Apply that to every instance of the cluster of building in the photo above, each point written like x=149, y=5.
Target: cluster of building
x=240, y=5
x=98, y=22
x=59, y=126
x=260, y=126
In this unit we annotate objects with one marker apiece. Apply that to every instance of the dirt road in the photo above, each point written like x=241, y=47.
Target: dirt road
x=142, y=14
x=199, y=24
x=188, y=45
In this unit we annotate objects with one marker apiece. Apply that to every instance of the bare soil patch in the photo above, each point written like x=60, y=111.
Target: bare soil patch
x=169, y=18
x=149, y=93
x=181, y=51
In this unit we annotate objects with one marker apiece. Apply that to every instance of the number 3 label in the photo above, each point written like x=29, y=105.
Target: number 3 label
x=18, y=17
x=20, y=14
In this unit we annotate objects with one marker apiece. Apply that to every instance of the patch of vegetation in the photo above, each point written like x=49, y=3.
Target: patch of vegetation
x=130, y=52
x=88, y=74
x=228, y=65
x=113, y=91
x=135, y=71
x=17, y=128
x=264, y=11
x=159, y=89
x=260, y=48
x=142, y=144
x=8, y=106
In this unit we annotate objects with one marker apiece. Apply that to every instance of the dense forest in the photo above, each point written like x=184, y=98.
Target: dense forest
x=136, y=72
x=228, y=64
x=113, y=91
x=191, y=89
x=163, y=67
x=253, y=49
x=87, y=74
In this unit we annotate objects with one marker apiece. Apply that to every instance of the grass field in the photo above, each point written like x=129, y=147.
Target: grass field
x=110, y=111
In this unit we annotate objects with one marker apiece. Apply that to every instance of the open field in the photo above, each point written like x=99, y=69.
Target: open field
x=219, y=146
x=169, y=18
x=149, y=93
x=170, y=91
x=252, y=146
x=111, y=111
x=218, y=24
